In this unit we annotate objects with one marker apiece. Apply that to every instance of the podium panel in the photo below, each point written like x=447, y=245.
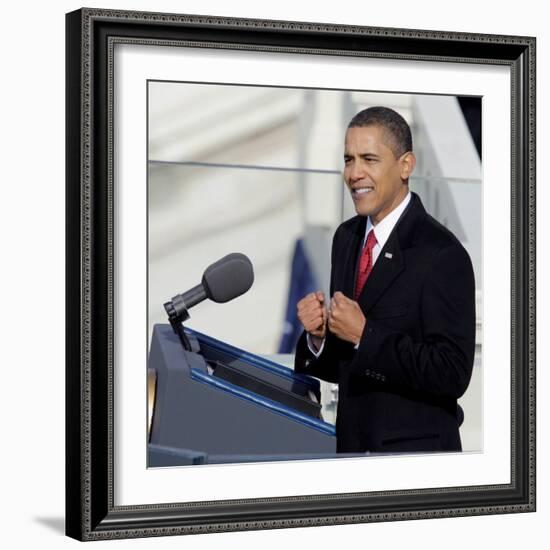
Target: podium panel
x=219, y=404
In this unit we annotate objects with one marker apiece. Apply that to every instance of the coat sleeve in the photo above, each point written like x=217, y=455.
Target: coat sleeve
x=441, y=362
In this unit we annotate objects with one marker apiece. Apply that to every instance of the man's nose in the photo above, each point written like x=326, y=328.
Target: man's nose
x=357, y=172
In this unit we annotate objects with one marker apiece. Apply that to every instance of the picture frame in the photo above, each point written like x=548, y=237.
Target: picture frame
x=91, y=510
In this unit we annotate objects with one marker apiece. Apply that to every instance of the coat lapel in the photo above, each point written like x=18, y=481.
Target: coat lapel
x=388, y=266
x=352, y=255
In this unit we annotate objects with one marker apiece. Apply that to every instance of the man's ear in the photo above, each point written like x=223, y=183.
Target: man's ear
x=408, y=162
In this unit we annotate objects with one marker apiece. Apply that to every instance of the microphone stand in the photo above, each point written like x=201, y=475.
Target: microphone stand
x=177, y=314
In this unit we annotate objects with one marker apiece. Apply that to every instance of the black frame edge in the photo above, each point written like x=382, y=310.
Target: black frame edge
x=73, y=289
x=526, y=258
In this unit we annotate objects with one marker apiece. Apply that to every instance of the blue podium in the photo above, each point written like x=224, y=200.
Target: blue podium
x=218, y=403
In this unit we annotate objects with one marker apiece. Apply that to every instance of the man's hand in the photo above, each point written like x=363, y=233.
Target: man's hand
x=313, y=315
x=345, y=319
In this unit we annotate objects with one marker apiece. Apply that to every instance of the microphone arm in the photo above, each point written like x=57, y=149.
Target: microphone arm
x=178, y=311
x=181, y=303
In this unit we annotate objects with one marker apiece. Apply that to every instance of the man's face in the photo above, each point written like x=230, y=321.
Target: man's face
x=374, y=176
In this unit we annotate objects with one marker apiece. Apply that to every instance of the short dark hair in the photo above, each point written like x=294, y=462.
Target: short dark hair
x=399, y=132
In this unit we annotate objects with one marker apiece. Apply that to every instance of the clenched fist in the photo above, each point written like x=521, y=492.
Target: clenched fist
x=313, y=315
x=346, y=320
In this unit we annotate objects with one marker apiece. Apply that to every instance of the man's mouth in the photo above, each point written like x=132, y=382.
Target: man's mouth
x=361, y=191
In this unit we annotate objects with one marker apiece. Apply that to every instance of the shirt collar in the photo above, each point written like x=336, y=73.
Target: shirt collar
x=383, y=229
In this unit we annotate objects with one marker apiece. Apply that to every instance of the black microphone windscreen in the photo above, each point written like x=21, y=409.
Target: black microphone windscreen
x=228, y=278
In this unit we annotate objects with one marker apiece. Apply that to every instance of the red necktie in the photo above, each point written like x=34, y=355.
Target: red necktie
x=365, y=263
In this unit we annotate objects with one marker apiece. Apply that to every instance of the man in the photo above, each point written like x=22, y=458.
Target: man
x=398, y=335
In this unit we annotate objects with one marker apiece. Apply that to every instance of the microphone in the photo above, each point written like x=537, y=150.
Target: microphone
x=221, y=282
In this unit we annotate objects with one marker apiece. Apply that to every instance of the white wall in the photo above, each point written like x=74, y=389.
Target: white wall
x=32, y=229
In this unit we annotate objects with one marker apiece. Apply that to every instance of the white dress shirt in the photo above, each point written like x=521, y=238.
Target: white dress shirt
x=382, y=231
